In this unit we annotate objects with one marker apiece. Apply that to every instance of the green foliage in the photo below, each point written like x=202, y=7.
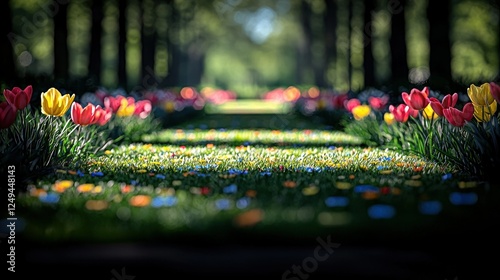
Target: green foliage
x=32, y=143
x=131, y=128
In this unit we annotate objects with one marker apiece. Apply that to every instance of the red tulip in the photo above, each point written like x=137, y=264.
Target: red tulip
x=377, y=103
x=143, y=108
x=402, y=112
x=19, y=98
x=8, y=114
x=113, y=102
x=351, y=103
x=495, y=91
x=448, y=102
x=82, y=116
x=417, y=99
x=457, y=117
x=102, y=115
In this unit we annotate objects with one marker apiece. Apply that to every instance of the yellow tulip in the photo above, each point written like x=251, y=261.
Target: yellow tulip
x=361, y=111
x=55, y=104
x=482, y=99
x=126, y=109
x=389, y=118
x=429, y=113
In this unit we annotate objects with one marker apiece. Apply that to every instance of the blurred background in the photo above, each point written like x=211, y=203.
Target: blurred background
x=249, y=47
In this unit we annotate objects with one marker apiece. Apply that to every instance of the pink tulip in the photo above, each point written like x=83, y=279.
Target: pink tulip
x=352, y=103
x=143, y=108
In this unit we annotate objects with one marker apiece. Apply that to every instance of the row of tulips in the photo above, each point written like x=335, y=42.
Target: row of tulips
x=54, y=104
x=464, y=135
x=63, y=129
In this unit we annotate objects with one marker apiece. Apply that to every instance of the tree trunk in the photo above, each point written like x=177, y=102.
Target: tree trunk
x=174, y=52
x=349, y=45
x=438, y=15
x=399, y=62
x=330, y=33
x=61, y=60
x=148, y=44
x=368, y=60
x=122, y=41
x=8, y=69
x=94, y=64
x=305, y=59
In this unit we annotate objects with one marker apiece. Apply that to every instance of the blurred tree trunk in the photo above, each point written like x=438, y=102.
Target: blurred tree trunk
x=438, y=14
x=122, y=41
x=94, y=64
x=148, y=44
x=330, y=33
x=349, y=45
x=174, y=52
x=8, y=69
x=368, y=60
x=304, y=59
x=61, y=60
x=399, y=62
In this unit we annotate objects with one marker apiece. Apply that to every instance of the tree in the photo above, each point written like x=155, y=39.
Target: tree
x=61, y=59
x=438, y=15
x=368, y=60
x=122, y=41
x=304, y=57
x=397, y=42
x=7, y=71
x=330, y=33
x=94, y=63
x=148, y=44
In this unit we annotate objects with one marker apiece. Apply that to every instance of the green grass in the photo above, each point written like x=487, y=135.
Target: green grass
x=222, y=189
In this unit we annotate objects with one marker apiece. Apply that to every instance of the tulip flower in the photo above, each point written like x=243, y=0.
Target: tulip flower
x=113, y=102
x=82, y=116
x=495, y=91
x=361, y=111
x=389, y=118
x=484, y=103
x=417, y=99
x=458, y=118
x=429, y=113
x=102, y=115
x=143, y=108
x=402, y=112
x=378, y=103
x=55, y=104
x=448, y=101
x=17, y=97
x=8, y=114
x=351, y=103
x=127, y=107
